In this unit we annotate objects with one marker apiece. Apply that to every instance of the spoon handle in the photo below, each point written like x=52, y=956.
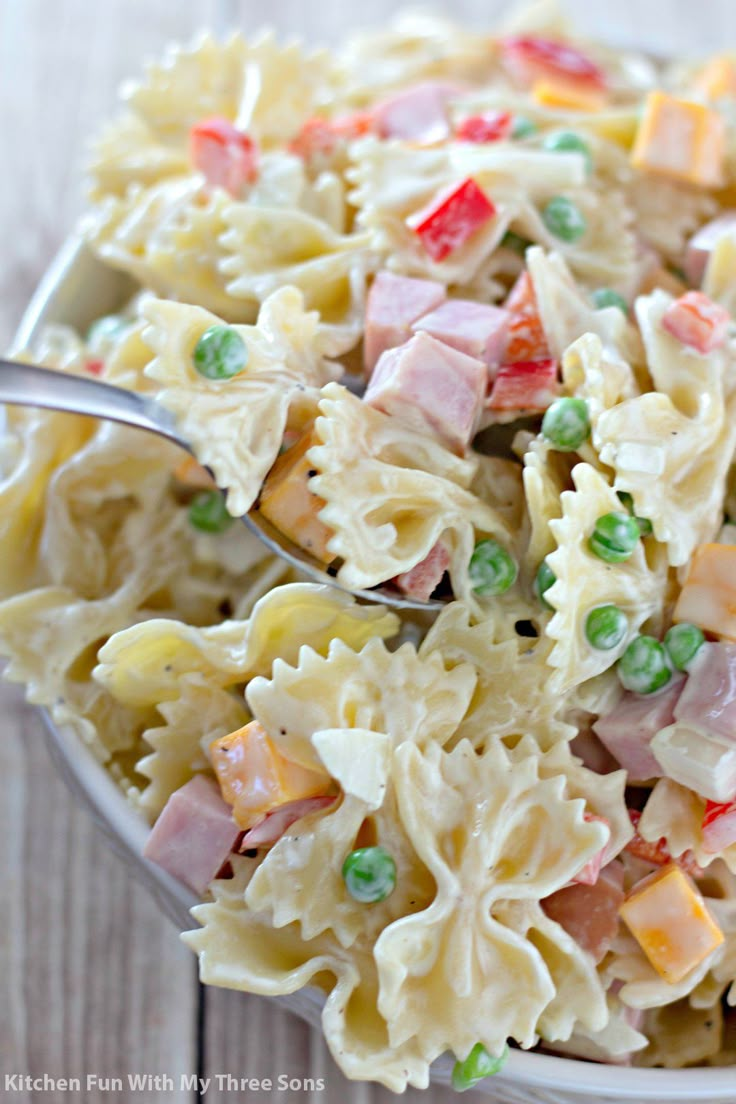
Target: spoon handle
x=26, y=385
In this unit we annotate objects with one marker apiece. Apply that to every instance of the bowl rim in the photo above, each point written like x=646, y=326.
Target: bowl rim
x=57, y=301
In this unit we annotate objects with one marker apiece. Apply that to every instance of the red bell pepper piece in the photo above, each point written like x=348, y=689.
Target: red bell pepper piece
x=697, y=321
x=526, y=337
x=719, y=826
x=451, y=218
x=226, y=156
x=490, y=127
x=525, y=385
x=658, y=854
x=95, y=367
x=319, y=136
x=532, y=58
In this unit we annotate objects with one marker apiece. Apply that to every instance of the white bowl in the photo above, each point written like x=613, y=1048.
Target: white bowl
x=76, y=289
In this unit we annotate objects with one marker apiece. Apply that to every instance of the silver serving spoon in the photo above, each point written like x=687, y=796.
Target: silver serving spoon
x=26, y=385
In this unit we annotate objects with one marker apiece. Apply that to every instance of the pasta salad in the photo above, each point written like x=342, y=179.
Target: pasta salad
x=455, y=313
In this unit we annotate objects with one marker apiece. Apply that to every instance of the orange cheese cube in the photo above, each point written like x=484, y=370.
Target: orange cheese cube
x=255, y=777
x=708, y=598
x=668, y=918
x=680, y=139
x=571, y=97
x=192, y=474
x=718, y=78
x=287, y=502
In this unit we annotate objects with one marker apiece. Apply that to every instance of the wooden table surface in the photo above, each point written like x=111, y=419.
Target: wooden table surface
x=92, y=978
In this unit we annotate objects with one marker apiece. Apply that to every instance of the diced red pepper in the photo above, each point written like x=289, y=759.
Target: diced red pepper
x=526, y=337
x=319, y=136
x=490, y=127
x=226, y=156
x=95, y=367
x=589, y=874
x=530, y=58
x=697, y=321
x=719, y=826
x=658, y=854
x=526, y=385
x=451, y=218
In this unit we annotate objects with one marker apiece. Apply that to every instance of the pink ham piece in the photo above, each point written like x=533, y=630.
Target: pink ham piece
x=194, y=834
x=394, y=303
x=275, y=824
x=702, y=244
x=476, y=329
x=719, y=826
x=589, y=913
x=423, y=579
x=630, y=728
x=527, y=385
x=696, y=321
x=428, y=385
x=418, y=114
x=589, y=874
x=708, y=701
x=226, y=156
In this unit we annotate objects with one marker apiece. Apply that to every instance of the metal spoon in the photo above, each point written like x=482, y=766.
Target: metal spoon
x=26, y=385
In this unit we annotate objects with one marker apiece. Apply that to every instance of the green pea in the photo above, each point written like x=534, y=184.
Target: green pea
x=369, y=874
x=605, y=627
x=515, y=242
x=208, y=513
x=645, y=525
x=545, y=578
x=220, y=353
x=523, y=127
x=614, y=537
x=644, y=667
x=607, y=297
x=566, y=424
x=106, y=328
x=477, y=1066
x=683, y=642
x=492, y=570
x=563, y=219
x=567, y=141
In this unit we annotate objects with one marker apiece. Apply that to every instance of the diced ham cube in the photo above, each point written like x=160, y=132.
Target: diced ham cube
x=657, y=852
x=194, y=834
x=417, y=114
x=476, y=329
x=226, y=156
x=628, y=730
x=530, y=385
x=669, y=920
x=493, y=126
x=275, y=824
x=702, y=243
x=719, y=826
x=423, y=579
x=428, y=385
x=393, y=304
x=697, y=321
x=708, y=699
x=451, y=218
x=589, y=913
x=526, y=340
x=530, y=58
x=589, y=874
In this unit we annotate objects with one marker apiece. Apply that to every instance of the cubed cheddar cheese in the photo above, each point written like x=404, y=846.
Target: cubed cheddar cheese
x=191, y=473
x=568, y=96
x=287, y=502
x=255, y=777
x=669, y=920
x=708, y=598
x=718, y=78
x=680, y=139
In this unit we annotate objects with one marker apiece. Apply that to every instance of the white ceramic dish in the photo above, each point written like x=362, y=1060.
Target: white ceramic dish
x=76, y=289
